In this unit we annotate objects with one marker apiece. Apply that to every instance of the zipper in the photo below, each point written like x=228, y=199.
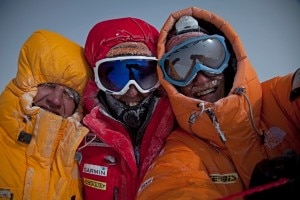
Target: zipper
x=116, y=193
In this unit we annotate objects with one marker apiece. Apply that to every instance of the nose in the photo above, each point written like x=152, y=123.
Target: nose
x=55, y=100
x=132, y=91
x=201, y=78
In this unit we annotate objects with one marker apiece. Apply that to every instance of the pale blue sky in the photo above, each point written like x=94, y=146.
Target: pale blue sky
x=269, y=29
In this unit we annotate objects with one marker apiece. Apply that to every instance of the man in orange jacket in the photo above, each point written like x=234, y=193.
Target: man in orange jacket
x=228, y=120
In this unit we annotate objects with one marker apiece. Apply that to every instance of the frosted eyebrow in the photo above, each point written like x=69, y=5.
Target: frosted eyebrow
x=71, y=93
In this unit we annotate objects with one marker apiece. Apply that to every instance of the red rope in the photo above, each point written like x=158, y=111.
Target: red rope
x=267, y=186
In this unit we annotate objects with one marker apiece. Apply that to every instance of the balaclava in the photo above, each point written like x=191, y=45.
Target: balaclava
x=120, y=37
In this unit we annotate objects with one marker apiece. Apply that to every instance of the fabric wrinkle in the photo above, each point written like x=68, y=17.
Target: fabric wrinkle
x=31, y=137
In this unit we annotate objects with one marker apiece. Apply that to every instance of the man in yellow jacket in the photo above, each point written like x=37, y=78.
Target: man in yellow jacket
x=40, y=114
x=228, y=120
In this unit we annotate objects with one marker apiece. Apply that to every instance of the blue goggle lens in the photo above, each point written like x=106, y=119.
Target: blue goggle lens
x=114, y=74
x=205, y=53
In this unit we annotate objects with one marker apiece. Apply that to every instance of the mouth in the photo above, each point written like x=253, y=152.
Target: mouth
x=205, y=92
x=50, y=110
x=202, y=92
x=132, y=103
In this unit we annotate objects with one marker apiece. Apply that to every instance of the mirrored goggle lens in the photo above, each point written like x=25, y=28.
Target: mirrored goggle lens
x=115, y=74
x=206, y=53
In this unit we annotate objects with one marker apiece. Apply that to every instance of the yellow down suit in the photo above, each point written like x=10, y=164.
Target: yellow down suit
x=215, y=148
x=37, y=148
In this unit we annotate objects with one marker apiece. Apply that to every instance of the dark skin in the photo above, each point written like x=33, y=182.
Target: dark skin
x=205, y=87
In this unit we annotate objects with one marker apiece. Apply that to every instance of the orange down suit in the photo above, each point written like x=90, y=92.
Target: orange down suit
x=211, y=156
x=42, y=167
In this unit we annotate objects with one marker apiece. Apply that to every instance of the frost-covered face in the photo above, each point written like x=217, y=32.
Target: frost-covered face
x=56, y=98
x=206, y=88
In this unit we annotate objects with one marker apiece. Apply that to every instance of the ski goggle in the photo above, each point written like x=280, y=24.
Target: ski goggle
x=115, y=75
x=206, y=53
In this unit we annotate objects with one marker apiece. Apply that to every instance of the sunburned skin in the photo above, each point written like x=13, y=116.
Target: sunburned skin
x=132, y=97
x=55, y=98
x=206, y=88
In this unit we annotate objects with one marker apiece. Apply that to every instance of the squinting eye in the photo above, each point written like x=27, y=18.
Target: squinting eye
x=69, y=94
x=49, y=85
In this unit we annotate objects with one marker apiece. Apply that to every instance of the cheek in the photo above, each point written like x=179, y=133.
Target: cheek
x=69, y=107
x=146, y=94
x=118, y=97
x=185, y=90
x=221, y=80
x=38, y=97
x=219, y=77
x=42, y=93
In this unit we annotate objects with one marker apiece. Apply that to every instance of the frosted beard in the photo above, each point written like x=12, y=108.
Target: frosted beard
x=132, y=116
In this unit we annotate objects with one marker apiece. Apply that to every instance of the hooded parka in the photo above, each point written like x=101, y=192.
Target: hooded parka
x=37, y=148
x=213, y=152
x=113, y=164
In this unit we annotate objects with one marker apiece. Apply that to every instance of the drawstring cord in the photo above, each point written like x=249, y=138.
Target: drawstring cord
x=241, y=91
x=26, y=119
x=216, y=124
x=238, y=91
x=78, y=155
x=212, y=116
x=86, y=144
x=196, y=113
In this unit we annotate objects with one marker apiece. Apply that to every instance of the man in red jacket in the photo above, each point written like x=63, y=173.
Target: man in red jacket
x=129, y=117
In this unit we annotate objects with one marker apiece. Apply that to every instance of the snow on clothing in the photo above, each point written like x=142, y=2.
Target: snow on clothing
x=109, y=166
x=43, y=167
x=113, y=164
x=214, y=151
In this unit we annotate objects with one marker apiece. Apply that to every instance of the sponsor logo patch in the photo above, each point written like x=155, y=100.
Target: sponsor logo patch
x=94, y=184
x=224, y=178
x=95, y=169
x=273, y=137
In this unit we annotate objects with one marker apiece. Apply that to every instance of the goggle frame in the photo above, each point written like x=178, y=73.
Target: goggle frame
x=130, y=81
x=198, y=66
